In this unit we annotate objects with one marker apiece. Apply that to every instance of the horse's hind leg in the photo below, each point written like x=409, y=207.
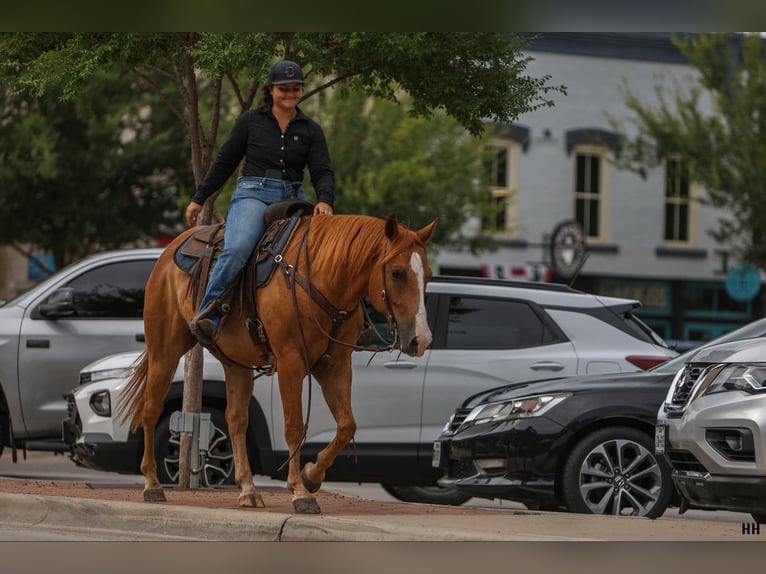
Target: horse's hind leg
x=239, y=391
x=167, y=339
x=335, y=380
x=159, y=378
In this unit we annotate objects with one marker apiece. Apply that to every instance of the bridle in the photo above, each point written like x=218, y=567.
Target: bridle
x=393, y=331
x=292, y=277
x=339, y=316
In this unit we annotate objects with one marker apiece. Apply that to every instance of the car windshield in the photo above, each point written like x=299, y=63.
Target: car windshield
x=749, y=331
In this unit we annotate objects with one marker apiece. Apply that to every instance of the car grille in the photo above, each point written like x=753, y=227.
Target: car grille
x=683, y=460
x=457, y=419
x=71, y=427
x=461, y=469
x=85, y=378
x=684, y=385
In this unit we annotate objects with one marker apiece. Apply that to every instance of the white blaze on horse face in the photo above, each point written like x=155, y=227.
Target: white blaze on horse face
x=422, y=332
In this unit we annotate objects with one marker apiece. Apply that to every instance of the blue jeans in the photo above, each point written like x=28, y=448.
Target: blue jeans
x=244, y=227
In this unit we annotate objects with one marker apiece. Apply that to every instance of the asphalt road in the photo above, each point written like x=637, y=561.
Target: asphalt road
x=49, y=466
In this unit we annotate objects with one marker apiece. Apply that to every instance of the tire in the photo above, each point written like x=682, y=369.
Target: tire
x=614, y=471
x=218, y=464
x=427, y=494
x=759, y=518
x=3, y=431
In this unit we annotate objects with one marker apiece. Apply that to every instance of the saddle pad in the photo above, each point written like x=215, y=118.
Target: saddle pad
x=197, y=245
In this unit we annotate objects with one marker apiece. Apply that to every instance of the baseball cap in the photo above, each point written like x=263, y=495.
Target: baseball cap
x=285, y=72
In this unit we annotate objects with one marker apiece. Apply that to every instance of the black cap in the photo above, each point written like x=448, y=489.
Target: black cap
x=285, y=72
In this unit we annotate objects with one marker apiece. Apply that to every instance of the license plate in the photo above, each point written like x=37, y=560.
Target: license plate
x=660, y=438
x=437, y=455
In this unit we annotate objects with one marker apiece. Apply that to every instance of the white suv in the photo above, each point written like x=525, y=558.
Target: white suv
x=712, y=428
x=486, y=333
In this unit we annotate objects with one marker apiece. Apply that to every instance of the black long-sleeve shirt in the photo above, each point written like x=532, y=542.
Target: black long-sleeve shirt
x=256, y=136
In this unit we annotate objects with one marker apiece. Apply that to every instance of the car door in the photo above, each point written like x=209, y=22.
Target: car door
x=487, y=342
x=107, y=318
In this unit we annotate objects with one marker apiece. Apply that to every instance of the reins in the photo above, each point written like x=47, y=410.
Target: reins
x=338, y=318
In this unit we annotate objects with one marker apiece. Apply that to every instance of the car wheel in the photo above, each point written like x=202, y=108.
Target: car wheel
x=759, y=518
x=219, y=462
x=427, y=494
x=3, y=425
x=614, y=471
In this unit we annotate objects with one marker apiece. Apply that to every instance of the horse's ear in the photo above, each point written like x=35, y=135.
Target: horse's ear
x=425, y=233
x=392, y=226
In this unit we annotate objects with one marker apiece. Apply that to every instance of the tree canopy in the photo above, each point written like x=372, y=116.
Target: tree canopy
x=206, y=77
x=94, y=172
x=718, y=128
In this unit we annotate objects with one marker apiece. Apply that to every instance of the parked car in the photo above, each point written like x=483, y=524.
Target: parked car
x=712, y=429
x=47, y=334
x=485, y=332
x=583, y=444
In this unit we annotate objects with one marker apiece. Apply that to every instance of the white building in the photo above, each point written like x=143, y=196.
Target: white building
x=645, y=238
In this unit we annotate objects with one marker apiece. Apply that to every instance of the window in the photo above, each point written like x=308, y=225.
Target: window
x=711, y=299
x=678, y=216
x=113, y=290
x=475, y=323
x=503, y=178
x=591, y=191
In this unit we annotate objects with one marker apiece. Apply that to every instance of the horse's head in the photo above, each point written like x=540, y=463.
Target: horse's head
x=398, y=291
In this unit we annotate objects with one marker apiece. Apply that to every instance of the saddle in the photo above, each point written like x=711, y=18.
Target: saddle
x=197, y=254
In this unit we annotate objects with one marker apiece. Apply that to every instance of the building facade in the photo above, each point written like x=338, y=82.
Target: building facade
x=645, y=238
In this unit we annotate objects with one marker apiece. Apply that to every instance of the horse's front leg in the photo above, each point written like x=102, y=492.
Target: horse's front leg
x=335, y=379
x=239, y=390
x=290, y=389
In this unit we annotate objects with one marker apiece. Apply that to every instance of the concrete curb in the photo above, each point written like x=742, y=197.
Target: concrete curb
x=142, y=521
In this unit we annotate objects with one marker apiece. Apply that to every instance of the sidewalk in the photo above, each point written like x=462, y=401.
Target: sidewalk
x=163, y=521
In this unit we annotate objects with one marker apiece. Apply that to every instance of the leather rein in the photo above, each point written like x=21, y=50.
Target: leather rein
x=338, y=316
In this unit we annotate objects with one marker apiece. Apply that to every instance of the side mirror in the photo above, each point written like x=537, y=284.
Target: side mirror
x=59, y=304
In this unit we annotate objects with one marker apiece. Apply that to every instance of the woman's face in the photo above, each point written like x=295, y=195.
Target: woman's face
x=286, y=96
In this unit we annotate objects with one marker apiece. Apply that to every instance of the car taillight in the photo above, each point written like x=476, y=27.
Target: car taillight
x=645, y=362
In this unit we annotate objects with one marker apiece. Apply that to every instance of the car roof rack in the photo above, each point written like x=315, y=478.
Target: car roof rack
x=472, y=280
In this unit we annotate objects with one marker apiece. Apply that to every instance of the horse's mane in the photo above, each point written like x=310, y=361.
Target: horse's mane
x=351, y=240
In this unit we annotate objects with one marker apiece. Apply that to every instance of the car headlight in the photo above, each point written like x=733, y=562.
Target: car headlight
x=524, y=407
x=748, y=378
x=101, y=403
x=94, y=376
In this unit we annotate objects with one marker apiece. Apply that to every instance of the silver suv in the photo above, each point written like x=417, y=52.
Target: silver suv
x=87, y=310
x=485, y=333
x=712, y=428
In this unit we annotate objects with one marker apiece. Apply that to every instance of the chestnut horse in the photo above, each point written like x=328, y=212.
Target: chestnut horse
x=344, y=258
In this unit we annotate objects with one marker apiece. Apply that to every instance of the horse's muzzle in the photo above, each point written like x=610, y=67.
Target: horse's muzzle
x=415, y=347
x=411, y=347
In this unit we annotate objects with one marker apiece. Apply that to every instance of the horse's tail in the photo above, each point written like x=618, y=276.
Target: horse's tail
x=131, y=404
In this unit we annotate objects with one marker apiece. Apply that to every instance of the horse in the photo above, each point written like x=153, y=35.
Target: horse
x=337, y=260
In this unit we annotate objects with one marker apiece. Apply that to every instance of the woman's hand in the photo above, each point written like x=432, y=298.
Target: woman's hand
x=322, y=208
x=192, y=211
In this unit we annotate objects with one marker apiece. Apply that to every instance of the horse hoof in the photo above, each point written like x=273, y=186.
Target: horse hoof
x=306, y=506
x=310, y=486
x=252, y=501
x=154, y=495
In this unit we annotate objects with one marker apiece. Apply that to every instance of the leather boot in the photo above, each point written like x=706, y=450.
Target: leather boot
x=205, y=325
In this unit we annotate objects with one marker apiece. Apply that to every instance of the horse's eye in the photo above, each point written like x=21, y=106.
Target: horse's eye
x=397, y=274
